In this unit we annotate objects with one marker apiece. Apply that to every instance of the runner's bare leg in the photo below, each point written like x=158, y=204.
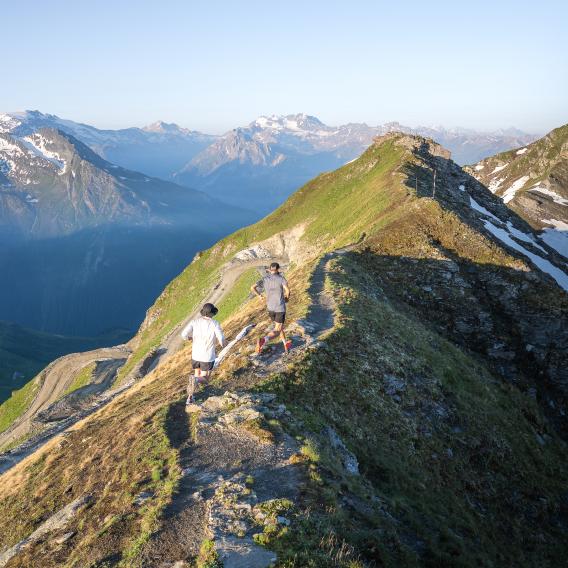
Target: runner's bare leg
x=193, y=380
x=277, y=331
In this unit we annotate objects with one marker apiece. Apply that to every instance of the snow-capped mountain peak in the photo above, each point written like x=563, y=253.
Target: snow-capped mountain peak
x=161, y=127
x=301, y=122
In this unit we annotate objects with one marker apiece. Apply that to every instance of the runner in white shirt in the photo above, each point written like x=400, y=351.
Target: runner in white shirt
x=205, y=331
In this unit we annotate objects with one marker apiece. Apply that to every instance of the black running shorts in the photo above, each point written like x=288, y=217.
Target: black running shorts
x=203, y=365
x=277, y=317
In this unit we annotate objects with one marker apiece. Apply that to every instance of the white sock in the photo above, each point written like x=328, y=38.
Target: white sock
x=266, y=339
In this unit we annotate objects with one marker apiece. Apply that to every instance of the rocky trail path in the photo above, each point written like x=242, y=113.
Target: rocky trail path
x=58, y=375
x=237, y=478
x=240, y=472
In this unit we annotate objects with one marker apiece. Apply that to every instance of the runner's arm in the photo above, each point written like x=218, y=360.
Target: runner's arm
x=255, y=289
x=286, y=291
x=220, y=336
x=187, y=331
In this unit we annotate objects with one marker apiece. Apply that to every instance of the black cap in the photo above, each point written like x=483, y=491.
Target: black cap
x=208, y=310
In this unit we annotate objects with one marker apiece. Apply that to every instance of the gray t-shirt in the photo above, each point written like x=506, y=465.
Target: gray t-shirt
x=273, y=285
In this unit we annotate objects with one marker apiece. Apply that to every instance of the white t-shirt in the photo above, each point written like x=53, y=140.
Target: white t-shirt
x=204, y=331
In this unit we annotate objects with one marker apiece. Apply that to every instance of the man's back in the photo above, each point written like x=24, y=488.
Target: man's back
x=274, y=289
x=204, y=331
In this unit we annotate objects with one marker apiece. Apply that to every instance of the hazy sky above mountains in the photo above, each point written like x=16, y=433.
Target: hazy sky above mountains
x=218, y=64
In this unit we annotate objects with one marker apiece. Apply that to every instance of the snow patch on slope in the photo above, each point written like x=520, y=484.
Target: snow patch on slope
x=510, y=193
x=556, y=236
x=10, y=148
x=8, y=123
x=546, y=266
x=523, y=236
x=481, y=209
x=8, y=153
x=521, y=151
x=494, y=184
x=37, y=144
x=498, y=169
x=545, y=191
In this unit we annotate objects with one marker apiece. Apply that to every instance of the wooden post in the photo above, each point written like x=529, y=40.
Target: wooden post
x=434, y=190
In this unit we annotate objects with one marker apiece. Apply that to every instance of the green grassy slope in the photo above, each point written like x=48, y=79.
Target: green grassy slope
x=454, y=470
x=82, y=379
x=336, y=207
x=17, y=404
x=238, y=294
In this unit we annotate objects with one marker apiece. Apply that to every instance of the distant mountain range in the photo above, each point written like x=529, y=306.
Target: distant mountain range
x=159, y=149
x=266, y=160
x=259, y=164
x=71, y=186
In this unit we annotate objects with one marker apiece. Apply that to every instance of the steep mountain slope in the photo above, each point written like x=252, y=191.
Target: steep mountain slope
x=533, y=181
x=265, y=161
x=53, y=185
x=157, y=150
x=422, y=422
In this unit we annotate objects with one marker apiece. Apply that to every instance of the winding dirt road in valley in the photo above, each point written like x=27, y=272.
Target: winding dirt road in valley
x=55, y=379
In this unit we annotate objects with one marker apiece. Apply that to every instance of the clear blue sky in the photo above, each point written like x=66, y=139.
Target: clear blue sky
x=212, y=65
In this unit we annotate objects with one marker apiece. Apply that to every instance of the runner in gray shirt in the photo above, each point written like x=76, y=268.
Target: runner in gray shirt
x=277, y=293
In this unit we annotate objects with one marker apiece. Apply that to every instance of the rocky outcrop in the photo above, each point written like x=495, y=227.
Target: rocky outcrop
x=56, y=522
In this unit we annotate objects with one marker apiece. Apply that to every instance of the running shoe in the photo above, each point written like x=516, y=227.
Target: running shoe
x=190, y=400
x=260, y=344
x=288, y=346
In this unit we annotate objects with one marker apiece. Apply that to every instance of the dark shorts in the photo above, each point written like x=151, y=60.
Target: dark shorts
x=203, y=365
x=277, y=317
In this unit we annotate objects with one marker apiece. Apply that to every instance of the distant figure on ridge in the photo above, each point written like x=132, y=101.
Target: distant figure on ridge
x=204, y=330
x=277, y=293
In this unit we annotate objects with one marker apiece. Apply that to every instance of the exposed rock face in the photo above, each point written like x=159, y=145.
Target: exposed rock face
x=419, y=144
x=56, y=522
x=239, y=480
x=508, y=315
